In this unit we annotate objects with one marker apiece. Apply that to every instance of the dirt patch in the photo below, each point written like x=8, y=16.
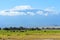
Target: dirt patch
x=31, y=39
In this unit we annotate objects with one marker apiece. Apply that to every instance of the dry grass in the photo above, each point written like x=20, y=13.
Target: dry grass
x=30, y=35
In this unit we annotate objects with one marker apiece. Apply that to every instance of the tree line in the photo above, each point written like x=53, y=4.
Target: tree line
x=24, y=28
x=19, y=28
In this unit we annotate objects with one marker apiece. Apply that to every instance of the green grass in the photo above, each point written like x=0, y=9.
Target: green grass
x=4, y=32
x=28, y=32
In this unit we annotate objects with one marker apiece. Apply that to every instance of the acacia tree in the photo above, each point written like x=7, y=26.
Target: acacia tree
x=0, y=28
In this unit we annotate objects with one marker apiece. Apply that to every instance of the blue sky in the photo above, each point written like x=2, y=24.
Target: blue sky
x=29, y=12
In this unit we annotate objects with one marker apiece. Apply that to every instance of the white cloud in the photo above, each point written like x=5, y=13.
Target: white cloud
x=11, y=13
x=31, y=13
x=3, y=12
x=14, y=11
x=40, y=12
x=22, y=7
x=51, y=10
x=46, y=14
x=24, y=10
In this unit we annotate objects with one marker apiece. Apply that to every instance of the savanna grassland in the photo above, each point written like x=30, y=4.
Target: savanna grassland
x=30, y=35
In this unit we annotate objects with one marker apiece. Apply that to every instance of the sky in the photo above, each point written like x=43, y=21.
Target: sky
x=29, y=13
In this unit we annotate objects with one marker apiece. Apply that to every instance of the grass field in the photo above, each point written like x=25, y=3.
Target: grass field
x=30, y=35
